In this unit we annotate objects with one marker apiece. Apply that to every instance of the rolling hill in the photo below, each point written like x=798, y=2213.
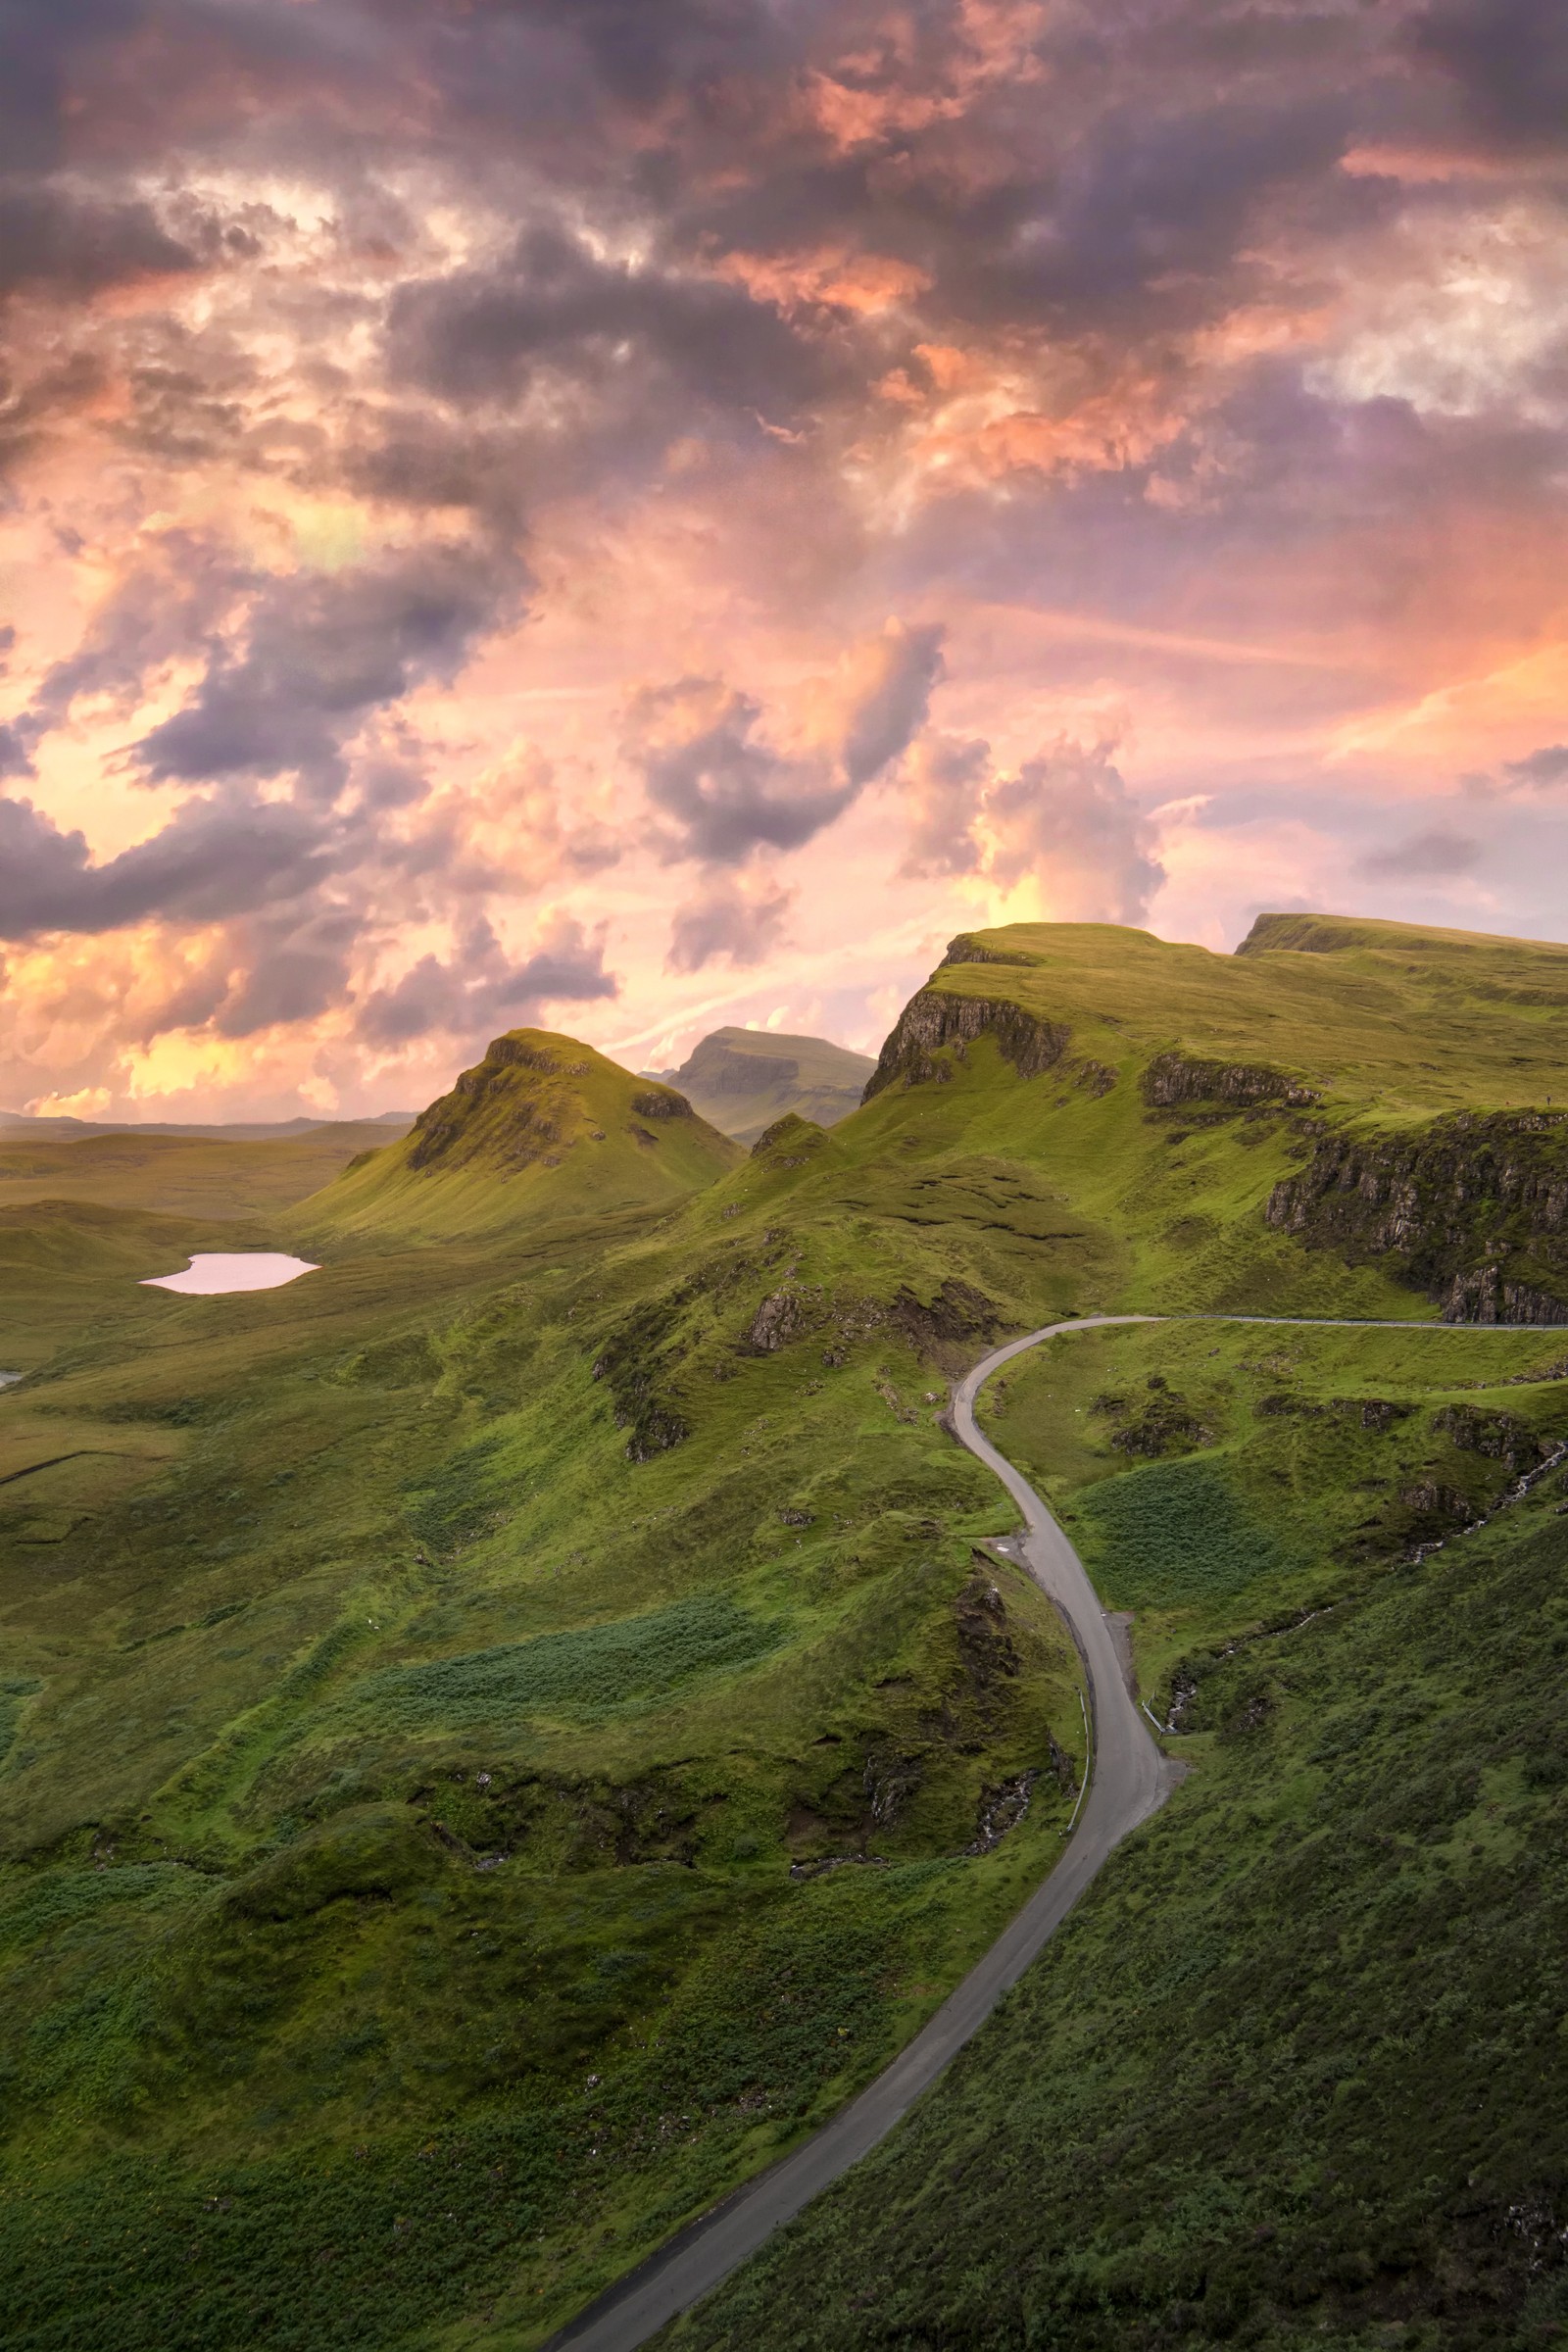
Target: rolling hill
x=180, y=1175
x=500, y=1736
x=741, y=1080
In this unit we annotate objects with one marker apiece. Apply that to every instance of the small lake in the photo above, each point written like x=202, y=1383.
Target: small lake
x=218, y=1270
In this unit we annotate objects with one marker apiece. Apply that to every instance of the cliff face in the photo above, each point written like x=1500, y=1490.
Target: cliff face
x=933, y=1019
x=1473, y=1210
x=1173, y=1078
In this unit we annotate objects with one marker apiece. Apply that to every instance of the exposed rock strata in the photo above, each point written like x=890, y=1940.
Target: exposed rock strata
x=1473, y=1210
x=933, y=1019
x=1173, y=1078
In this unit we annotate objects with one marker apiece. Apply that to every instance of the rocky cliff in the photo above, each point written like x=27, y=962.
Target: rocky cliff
x=932, y=1019
x=1473, y=1209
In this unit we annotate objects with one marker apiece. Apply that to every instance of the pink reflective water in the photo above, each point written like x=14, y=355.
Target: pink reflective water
x=232, y=1270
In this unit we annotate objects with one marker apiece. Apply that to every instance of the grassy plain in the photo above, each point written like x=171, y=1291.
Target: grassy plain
x=503, y=1733
x=183, y=1175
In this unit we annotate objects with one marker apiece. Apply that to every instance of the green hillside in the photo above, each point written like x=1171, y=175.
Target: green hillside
x=498, y=1736
x=542, y=1127
x=742, y=1080
x=1294, y=2074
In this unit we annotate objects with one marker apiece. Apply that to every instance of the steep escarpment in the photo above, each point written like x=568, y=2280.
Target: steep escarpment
x=1175, y=1078
x=933, y=1020
x=1473, y=1210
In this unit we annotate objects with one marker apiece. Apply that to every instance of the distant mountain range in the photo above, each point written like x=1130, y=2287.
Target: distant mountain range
x=741, y=1080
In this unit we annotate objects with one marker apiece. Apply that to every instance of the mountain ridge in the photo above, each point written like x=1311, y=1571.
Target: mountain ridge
x=744, y=1080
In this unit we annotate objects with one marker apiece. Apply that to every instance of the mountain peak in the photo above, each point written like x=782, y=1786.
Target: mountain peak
x=542, y=1126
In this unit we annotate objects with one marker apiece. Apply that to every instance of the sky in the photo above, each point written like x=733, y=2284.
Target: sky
x=630, y=515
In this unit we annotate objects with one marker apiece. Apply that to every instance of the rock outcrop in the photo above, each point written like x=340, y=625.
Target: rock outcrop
x=933, y=1020
x=1174, y=1078
x=1472, y=1209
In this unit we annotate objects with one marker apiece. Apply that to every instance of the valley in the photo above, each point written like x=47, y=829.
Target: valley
x=505, y=1735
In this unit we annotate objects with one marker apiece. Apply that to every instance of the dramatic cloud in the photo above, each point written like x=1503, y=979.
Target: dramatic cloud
x=728, y=792
x=479, y=991
x=942, y=794
x=460, y=463
x=207, y=864
x=1510, y=58
x=1063, y=822
x=315, y=655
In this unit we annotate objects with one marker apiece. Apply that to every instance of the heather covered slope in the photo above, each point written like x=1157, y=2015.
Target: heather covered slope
x=742, y=1080
x=542, y=1127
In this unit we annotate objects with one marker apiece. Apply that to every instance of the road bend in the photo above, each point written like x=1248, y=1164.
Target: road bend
x=1128, y=1778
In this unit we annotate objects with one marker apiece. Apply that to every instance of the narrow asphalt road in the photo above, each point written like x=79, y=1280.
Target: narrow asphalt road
x=1129, y=1780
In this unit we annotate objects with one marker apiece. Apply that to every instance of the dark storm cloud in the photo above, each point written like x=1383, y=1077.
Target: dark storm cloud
x=53, y=238
x=207, y=864
x=555, y=308
x=1150, y=203
x=319, y=653
x=1509, y=60
x=37, y=44
x=479, y=991
x=540, y=61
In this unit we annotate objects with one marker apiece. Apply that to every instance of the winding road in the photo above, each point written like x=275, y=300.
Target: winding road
x=1128, y=1780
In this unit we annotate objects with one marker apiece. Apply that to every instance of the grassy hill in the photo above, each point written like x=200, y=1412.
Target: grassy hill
x=542, y=1127
x=502, y=1734
x=742, y=1080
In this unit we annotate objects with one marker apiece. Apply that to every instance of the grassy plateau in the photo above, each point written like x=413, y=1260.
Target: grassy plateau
x=501, y=1734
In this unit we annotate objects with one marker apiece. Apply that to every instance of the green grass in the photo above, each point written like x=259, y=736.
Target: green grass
x=585, y=1674
x=194, y=1176
x=1177, y=1534
x=543, y=1127
x=435, y=1689
x=1293, y=2074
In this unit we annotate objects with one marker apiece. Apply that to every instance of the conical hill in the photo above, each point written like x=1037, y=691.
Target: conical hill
x=543, y=1127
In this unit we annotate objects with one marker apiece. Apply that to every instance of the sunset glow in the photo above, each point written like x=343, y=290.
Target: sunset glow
x=648, y=517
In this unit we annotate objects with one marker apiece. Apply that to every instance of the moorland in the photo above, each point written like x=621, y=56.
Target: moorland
x=505, y=1732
